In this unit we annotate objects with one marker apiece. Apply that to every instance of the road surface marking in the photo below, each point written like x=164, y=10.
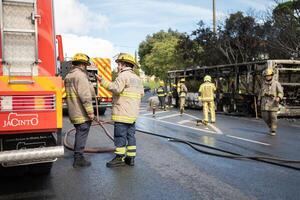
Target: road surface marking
x=216, y=129
x=155, y=113
x=248, y=140
x=184, y=121
x=192, y=116
x=168, y=116
x=189, y=127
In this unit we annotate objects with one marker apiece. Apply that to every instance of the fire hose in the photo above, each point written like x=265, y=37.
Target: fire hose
x=224, y=153
x=97, y=122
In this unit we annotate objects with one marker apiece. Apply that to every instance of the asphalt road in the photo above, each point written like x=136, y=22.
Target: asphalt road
x=167, y=170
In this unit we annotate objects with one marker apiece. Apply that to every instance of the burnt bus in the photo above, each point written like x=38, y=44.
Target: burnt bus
x=238, y=85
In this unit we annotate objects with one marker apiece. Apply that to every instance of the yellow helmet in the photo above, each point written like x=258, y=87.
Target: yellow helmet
x=161, y=83
x=81, y=58
x=268, y=72
x=182, y=80
x=125, y=57
x=207, y=78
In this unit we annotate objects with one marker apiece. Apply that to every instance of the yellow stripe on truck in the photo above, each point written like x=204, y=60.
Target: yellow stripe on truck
x=104, y=69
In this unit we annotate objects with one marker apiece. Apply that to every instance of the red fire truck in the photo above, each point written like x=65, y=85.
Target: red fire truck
x=30, y=91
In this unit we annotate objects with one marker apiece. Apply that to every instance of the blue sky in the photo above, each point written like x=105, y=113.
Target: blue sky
x=106, y=27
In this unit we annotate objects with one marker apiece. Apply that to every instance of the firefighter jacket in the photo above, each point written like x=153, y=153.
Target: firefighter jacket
x=269, y=91
x=207, y=90
x=161, y=92
x=79, y=93
x=182, y=90
x=127, y=91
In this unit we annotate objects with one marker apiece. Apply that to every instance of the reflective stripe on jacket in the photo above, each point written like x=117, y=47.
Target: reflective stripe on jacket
x=161, y=92
x=207, y=91
x=270, y=90
x=79, y=93
x=127, y=92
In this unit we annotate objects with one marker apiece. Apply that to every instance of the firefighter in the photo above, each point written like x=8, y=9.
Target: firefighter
x=182, y=92
x=170, y=95
x=127, y=91
x=270, y=95
x=206, y=95
x=153, y=104
x=79, y=94
x=161, y=93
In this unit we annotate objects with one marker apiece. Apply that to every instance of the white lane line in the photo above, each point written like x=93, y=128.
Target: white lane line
x=192, y=116
x=248, y=140
x=216, y=129
x=168, y=116
x=155, y=113
x=166, y=122
x=184, y=121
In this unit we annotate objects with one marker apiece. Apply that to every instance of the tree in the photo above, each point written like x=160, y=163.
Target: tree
x=242, y=39
x=158, y=53
x=283, y=30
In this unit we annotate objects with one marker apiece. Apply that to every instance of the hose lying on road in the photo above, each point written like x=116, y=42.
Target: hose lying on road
x=229, y=154
x=90, y=149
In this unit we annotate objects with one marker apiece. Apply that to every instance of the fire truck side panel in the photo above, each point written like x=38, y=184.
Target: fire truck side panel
x=46, y=38
x=34, y=107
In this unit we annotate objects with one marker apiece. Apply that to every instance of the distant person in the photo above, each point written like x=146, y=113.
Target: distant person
x=270, y=95
x=182, y=92
x=170, y=95
x=127, y=91
x=161, y=93
x=79, y=93
x=206, y=95
x=153, y=104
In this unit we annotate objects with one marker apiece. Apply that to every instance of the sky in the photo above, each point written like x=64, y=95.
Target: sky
x=104, y=28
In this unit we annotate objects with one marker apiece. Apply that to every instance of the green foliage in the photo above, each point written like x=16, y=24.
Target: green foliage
x=241, y=38
x=158, y=53
x=151, y=84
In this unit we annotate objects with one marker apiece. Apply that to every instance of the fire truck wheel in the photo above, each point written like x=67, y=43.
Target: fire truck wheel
x=41, y=169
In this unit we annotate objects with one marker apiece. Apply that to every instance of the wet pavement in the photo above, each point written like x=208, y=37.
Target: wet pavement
x=167, y=170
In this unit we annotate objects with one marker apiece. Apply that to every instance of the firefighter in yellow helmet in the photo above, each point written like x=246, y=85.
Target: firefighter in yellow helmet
x=269, y=98
x=182, y=92
x=79, y=94
x=127, y=91
x=161, y=93
x=206, y=95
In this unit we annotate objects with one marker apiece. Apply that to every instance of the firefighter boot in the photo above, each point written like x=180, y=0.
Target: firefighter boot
x=116, y=161
x=129, y=160
x=81, y=162
x=181, y=112
x=272, y=133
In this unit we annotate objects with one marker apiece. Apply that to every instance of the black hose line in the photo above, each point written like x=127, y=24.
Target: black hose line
x=232, y=155
x=228, y=154
x=91, y=149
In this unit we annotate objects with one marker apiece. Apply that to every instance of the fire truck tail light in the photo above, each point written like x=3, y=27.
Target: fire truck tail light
x=27, y=102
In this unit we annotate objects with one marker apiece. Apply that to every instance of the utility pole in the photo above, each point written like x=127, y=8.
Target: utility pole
x=214, y=16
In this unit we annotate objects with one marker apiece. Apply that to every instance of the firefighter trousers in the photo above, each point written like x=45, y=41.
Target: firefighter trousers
x=162, y=102
x=181, y=103
x=124, y=139
x=209, y=106
x=81, y=135
x=270, y=117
